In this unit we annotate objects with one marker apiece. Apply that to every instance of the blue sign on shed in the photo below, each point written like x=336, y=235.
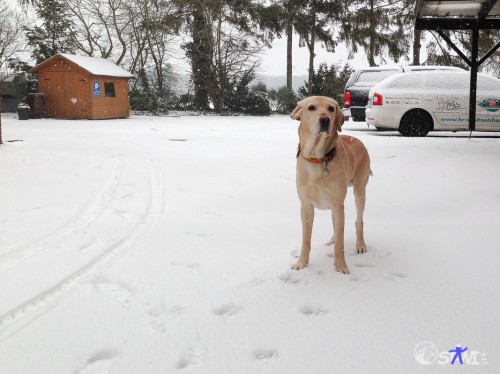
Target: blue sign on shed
x=97, y=89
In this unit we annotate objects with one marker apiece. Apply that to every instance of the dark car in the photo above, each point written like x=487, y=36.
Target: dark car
x=362, y=80
x=358, y=86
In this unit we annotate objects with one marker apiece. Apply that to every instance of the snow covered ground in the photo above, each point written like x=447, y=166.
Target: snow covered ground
x=164, y=244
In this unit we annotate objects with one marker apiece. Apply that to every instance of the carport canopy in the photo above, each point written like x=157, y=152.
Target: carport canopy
x=461, y=15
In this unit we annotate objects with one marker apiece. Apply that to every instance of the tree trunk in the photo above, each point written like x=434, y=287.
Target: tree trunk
x=201, y=58
x=416, y=48
x=218, y=91
x=289, y=46
x=0, y=114
x=371, y=46
x=311, y=51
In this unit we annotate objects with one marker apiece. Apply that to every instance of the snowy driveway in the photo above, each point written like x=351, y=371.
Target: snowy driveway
x=160, y=245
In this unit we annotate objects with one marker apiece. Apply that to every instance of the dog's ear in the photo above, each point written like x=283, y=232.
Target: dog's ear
x=339, y=119
x=297, y=112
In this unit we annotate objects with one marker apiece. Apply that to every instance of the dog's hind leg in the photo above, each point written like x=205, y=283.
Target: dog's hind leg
x=360, y=198
x=338, y=249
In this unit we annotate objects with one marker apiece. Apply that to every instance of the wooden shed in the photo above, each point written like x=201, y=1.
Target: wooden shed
x=82, y=87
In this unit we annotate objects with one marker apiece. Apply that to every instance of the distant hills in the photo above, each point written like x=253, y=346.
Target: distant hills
x=272, y=82
x=278, y=81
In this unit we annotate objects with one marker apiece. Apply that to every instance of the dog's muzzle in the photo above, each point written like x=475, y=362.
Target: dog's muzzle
x=324, y=124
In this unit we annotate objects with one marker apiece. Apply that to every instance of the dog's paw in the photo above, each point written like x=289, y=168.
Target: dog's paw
x=300, y=264
x=341, y=266
x=331, y=241
x=342, y=269
x=361, y=248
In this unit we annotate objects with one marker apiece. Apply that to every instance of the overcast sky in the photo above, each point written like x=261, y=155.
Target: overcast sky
x=274, y=59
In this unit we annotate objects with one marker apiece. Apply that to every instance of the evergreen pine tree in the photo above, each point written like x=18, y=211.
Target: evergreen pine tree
x=380, y=27
x=54, y=35
x=315, y=25
x=328, y=81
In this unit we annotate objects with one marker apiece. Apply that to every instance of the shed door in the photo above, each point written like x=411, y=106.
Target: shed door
x=67, y=95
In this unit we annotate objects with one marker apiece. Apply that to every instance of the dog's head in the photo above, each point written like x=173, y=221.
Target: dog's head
x=320, y=120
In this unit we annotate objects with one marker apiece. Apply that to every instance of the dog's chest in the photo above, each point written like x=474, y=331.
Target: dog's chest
x=321, y=199
x=320, y=192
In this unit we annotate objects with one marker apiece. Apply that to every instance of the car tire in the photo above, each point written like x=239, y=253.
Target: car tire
x=416, y=123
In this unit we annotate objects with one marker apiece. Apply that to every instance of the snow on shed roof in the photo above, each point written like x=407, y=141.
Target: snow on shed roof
x=94, y=65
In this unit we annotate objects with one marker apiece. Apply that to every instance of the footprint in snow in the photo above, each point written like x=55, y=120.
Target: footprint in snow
x=313, y=310
x=378, y=253
x=292, y=277
x=229, y=309
x=100, y=362
x=115, y=291
x=363, y=265
x=394, y=276
x=214, y=213
x=191, y=357
x=355, y=278
x=264, y=354
x=161, y=316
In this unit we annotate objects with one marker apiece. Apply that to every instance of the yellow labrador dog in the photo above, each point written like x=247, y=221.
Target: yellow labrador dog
x=327, y=164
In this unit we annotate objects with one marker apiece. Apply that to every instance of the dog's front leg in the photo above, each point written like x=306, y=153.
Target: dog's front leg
x=332, y=240
x=307, y=217
x=339, y=220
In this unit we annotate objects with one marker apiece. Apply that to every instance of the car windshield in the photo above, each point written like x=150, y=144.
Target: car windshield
x=370, y=78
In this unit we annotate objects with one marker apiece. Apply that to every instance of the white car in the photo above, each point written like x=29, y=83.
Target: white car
x=417, y=103
x=362, y=80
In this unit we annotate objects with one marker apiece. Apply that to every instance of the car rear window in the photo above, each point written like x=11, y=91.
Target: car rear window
x=370, y=78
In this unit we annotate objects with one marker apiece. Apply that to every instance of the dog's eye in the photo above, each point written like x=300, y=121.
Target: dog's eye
x=311, y=108
x=331, y=109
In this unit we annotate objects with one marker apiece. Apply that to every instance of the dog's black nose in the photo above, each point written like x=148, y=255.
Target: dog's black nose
x=324, y=123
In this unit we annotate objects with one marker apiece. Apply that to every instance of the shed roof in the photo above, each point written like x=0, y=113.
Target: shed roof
x=457, y=14
x=94, y=65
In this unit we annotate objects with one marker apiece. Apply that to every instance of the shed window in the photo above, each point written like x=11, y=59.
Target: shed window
x=109, y=89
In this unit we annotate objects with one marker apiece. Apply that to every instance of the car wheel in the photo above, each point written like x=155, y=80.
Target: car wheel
x=416, y=123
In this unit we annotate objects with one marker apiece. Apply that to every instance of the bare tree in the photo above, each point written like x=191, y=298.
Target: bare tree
x=235, y=54
x=11, y=36
x=100, y=27
x=11, y=43
x=152, y=36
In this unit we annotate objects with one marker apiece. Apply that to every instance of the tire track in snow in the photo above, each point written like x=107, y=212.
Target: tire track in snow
x=28, y=311
x=80, y=220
